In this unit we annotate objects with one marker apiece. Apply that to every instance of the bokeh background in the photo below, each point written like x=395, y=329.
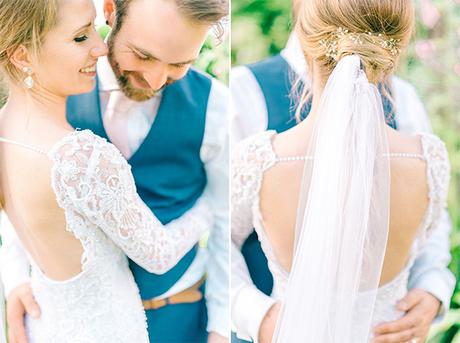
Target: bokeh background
x=260, y=28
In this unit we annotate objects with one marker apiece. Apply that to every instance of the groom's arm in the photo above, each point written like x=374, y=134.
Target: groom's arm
x=253, y=313
x=430, y=272
x=15, y=274
x=248, y=110
x=14, y=264
x=214, y=154
x=431, y=285
x=250, y=306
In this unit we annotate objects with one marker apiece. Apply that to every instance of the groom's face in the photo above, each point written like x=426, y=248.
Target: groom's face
x=154, y=46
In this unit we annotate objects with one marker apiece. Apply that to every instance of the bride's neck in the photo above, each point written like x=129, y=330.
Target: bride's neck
x=318, y=84
x=36, y=107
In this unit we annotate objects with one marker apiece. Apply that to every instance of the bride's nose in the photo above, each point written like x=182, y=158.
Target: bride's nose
x=99, y=50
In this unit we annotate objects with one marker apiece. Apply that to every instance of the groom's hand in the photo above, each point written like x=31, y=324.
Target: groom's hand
x=19, y=302
x=216, y=338
x=267, y=327
x=421, y=309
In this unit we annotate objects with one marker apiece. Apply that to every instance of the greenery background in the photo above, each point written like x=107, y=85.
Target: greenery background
x=260, y=28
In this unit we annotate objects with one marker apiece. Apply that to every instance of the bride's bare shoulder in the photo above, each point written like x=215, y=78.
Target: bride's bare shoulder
x=408, y=163
x=292, y=142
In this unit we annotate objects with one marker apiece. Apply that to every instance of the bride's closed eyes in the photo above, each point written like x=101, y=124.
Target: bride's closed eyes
x=83, y=33
x=81, y=38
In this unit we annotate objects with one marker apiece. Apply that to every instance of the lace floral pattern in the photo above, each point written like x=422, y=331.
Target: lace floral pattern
x=94, y=185
x=255, y=155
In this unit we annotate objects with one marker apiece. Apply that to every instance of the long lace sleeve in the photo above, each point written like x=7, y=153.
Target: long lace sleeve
x=250, y=159
x=249, y=305
x=243, y=186
x=93, y=183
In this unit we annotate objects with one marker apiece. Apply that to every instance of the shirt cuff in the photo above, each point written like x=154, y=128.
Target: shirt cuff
x=249, y=309
x=435, y=283
x=13, y=278
x=218, y=320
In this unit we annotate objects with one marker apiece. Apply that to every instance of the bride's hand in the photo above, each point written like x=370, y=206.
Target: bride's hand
x=267, y=327
x=19, y=302
x=421, y=309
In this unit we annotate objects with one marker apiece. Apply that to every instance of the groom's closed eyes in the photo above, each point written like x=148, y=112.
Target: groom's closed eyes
x=144, y=55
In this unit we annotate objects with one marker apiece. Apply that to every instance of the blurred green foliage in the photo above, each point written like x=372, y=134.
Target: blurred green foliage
x=259, y=28
x=432, y=64
x=214, y=58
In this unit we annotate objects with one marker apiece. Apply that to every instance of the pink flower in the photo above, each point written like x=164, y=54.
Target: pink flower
x=430, y=14
x=425, y=49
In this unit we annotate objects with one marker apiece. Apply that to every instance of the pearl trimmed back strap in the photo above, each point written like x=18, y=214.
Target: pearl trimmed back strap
x=26, y=146
x=391, y=155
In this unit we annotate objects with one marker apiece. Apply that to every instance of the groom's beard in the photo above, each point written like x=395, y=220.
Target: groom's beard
x=133, y=93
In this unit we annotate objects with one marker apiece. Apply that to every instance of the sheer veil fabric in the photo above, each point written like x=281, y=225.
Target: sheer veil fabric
x=343, y=216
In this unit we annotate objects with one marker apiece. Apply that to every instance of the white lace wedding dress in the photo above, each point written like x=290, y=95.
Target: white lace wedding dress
x=94, y=186
x=255, y=155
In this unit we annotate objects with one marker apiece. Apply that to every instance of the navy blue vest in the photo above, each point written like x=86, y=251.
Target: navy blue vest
x=276, y=78
x=167, y=168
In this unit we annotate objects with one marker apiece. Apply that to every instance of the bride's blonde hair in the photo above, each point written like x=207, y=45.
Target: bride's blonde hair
x=375, y=30
x=23, y=22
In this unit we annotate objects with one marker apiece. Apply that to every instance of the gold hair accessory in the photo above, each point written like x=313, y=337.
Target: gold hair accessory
x=330, y=44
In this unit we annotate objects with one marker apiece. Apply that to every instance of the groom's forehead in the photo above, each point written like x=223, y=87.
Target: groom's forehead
x=153, y=16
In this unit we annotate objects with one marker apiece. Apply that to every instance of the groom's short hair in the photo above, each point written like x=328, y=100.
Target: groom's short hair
x=206, y=11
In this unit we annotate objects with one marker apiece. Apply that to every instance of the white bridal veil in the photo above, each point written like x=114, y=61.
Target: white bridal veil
x=343, y=216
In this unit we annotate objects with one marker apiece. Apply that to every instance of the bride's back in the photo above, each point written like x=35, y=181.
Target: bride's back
x=30, y=202
x=279, y=196
x=44, y=53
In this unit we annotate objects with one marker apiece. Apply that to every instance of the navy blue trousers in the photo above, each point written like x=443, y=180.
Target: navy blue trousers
x=178, y=323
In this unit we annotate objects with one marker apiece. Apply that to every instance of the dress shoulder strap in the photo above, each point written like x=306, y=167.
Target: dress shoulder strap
x=23, y=145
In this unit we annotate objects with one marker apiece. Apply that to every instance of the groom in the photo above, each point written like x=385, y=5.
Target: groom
x=169, y=121
x=261, y=100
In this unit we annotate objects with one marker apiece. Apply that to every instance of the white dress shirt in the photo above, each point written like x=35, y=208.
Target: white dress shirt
x=248, y=112
x=213, y=259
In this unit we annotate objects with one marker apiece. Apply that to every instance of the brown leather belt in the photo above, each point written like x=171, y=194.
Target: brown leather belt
x=189, y=295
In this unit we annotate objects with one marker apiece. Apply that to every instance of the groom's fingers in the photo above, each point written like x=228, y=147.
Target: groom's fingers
x=15, y=318
x=20, y=302
x=409, y=321
x=412, y=298
x=399, y=337
x=30, y=304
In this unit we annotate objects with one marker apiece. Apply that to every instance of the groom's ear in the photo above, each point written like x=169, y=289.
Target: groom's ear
x=109, y=12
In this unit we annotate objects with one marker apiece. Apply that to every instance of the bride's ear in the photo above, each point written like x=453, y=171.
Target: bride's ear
x=109, y=12
x=20, y=57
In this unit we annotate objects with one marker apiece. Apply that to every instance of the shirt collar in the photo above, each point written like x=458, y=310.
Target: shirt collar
x=107, y=79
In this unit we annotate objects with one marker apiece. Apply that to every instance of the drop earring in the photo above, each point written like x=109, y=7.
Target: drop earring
x=28, y=81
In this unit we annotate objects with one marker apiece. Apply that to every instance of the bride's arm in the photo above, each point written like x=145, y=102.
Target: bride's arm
x=93, y=181
x=249, y=304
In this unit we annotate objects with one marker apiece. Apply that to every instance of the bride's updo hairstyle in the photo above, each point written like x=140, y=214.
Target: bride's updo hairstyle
x=375, y=30
x=23, y=23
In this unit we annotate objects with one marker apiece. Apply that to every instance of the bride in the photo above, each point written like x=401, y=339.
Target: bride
x=342, y=203
x=69, y=194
